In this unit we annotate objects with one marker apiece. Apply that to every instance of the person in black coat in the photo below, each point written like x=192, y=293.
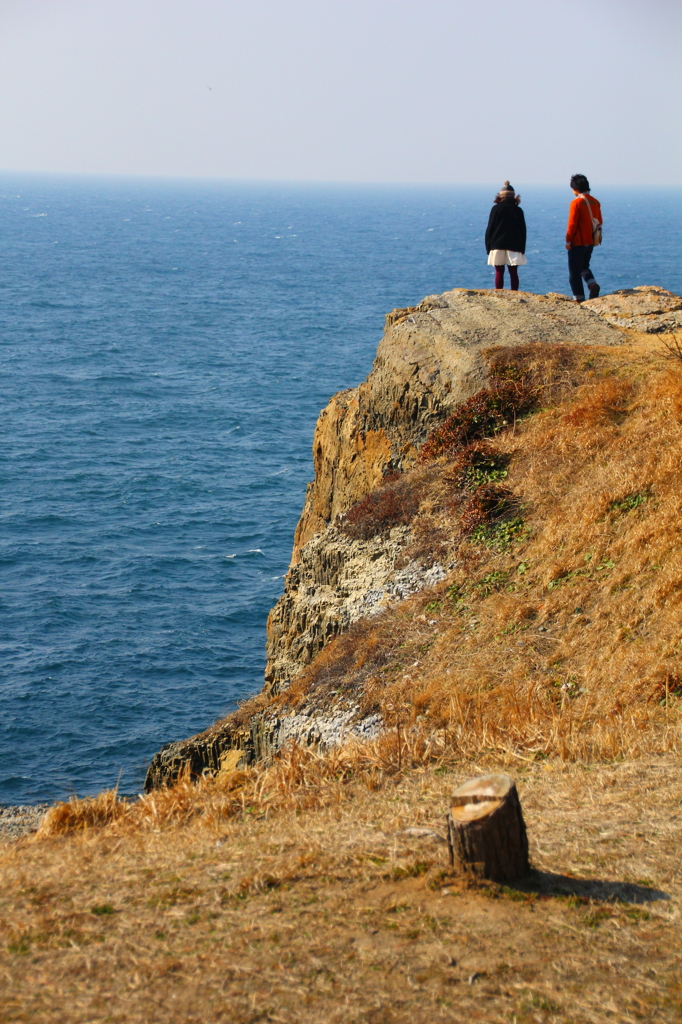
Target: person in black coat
x=505, y=237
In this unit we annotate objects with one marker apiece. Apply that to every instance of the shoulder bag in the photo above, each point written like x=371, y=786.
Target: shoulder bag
x=596, y=226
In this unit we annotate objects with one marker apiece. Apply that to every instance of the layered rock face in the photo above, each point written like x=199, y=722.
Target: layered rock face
x=335, y=582
x=428, y=361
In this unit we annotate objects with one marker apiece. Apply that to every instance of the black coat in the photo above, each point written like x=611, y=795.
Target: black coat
x=506, y=227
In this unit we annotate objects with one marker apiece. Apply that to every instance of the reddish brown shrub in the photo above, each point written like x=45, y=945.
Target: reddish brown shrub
x=395, y=504
x=484, y=414
x=479, y=463
x=519, y=376
x=488, y=504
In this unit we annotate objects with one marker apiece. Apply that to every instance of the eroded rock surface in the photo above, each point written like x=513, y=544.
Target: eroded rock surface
x=648, y=309
x=228, y=745
x=335, y=582
x=20, y=820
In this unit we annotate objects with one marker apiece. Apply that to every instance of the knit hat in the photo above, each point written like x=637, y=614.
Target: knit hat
x=507, y=192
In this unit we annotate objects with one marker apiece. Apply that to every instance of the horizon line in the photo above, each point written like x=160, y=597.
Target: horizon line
x=308, y=182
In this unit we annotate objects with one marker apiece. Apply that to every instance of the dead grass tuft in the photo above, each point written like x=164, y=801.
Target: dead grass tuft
x=672, y=346
x=490, y=725
x=78, y=815
x=604, y=404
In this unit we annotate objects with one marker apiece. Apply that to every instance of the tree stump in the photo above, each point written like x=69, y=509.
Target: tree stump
x=486, y=831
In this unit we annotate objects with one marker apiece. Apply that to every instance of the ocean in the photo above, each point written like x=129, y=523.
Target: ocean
x=165, y=349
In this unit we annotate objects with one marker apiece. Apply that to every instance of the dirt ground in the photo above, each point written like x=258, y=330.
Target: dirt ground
x=348, y=914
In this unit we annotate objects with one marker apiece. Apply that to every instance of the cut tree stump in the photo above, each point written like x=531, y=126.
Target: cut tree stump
x=486, y=831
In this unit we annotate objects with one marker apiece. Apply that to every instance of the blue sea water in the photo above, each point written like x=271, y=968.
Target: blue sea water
x=165, y=349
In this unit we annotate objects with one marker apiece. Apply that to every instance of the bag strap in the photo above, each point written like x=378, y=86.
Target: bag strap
x=596, y=224
x=589, y=207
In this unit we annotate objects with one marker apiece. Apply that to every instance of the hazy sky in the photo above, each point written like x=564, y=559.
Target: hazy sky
x=344, y=90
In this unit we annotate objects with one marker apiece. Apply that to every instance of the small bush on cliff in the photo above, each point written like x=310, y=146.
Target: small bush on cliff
x=487, y=510
x=518, y=377
x=483, y=415
x=394, y=504
x=479, y=463
x=501, y=535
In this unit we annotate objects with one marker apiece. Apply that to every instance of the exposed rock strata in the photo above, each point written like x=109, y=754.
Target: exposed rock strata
x=335, y=582
x=230, y=744
x=429, y=360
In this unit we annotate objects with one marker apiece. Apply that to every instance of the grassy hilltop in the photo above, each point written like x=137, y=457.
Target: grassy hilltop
x=315, y=886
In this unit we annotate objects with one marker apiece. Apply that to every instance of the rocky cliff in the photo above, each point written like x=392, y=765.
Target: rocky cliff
x=428, y=361
x=431, y=359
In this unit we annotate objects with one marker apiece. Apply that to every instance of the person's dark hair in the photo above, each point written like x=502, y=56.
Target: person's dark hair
x=580, y=183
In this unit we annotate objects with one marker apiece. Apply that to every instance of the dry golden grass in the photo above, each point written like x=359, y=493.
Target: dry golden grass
x=300, y=779
x=346, y=913
x=567, y=641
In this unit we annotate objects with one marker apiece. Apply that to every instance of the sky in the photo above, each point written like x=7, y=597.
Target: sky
x=435, y=91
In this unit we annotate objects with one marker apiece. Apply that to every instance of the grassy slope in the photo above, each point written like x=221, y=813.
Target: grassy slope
x=563, y=636
x=291, y=892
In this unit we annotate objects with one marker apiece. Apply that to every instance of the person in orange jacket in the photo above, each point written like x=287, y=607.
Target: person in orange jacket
x=580, y=238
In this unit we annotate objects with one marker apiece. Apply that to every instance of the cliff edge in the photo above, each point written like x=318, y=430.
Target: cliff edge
x=383, y=523
x=429, y=360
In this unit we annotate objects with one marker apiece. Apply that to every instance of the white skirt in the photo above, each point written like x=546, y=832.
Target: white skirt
x=506, y=258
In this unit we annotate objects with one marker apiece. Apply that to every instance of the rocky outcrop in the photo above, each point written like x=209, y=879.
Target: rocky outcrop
x=429, y=360
x=646, y=309
x=229, y=744
x=335, y=582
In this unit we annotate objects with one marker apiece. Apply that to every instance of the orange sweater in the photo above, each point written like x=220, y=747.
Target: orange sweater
x=579, y=230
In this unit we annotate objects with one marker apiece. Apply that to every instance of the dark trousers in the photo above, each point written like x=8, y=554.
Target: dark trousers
x=513, y=277
x=579, y=269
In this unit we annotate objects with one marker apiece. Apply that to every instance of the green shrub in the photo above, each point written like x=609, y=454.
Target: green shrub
x=499, y=536
x=630, y=502
x=477, y=464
